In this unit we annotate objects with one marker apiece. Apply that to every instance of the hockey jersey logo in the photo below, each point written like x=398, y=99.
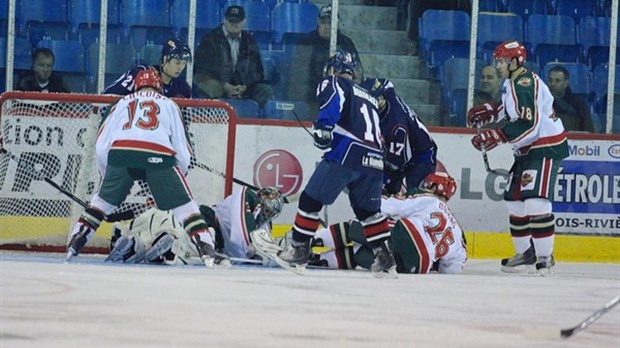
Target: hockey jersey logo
x=524, y=82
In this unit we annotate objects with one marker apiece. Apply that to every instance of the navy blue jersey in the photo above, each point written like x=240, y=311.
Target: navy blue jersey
x=354, y=114
x=410, y=149
x=177, y=88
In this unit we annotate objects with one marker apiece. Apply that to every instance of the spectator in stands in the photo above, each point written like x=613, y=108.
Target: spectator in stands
x=417, y=8
x=570, y=108
x=41, y=77
x=310, y=54
x=228, y=62
x=490, y=86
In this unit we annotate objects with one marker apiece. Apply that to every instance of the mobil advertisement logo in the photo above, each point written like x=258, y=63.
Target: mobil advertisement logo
x=614, y=151
x=588, y=187
x=584, y=150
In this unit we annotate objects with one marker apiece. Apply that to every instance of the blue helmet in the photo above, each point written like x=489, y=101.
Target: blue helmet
x=176, y=48
x=379, y=87
x=343, y=62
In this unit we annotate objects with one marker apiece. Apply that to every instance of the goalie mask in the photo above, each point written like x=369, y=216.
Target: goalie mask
x=342, y=62
x=271, y=204
x=440, y=184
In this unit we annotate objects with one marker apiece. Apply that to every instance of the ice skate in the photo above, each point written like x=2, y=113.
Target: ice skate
x=121, y=247
x=295, y=255
x=77, y=243
x=544, y=265
x=520, y=263
x=205, y=251
x=161, y=246
x=383, y=265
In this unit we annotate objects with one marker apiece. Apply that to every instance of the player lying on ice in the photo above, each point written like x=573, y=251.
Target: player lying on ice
x=426, y=235
x=157, y=237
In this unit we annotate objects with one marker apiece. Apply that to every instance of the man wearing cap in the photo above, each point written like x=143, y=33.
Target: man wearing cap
x=310, y=54
x=228, y=62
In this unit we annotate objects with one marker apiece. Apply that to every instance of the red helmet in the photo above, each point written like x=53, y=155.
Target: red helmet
x=440, y=184
x=511, y=49
x=148, y=78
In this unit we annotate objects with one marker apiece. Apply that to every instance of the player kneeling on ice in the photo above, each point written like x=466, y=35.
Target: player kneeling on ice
x=156, y=236
x=143, y=137
x=426, y=236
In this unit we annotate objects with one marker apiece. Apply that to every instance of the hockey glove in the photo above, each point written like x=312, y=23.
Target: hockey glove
x=323, y=136
x=489, y=139
x=482, y=114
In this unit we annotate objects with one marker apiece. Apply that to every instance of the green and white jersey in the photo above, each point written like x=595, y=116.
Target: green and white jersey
x=532, y=128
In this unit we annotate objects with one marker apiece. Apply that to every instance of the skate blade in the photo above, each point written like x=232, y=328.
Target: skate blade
x=389, y=274
x=543, y=272
x=521, y=269
x=209, y=262
x=297, y=269
x=70, y=255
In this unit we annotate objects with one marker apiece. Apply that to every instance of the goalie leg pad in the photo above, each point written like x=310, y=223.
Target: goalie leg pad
x=122, y=248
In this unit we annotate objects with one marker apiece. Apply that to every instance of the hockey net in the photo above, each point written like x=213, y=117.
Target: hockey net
x=53, y=135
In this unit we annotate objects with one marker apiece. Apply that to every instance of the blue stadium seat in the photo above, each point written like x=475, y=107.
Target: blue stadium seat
x=593, y=31
x=549, y=29
x=23, y=54
x=283, y=110
x=600, y=85
x=145, y=21
x=149, y=54
x=69, y=55
x=257, y=20
x=76, y=82
x=119, y=58
x=599, y=55
x=488, y=5
x=245, y=108
x=2, y=53
x=576, y=9
x=208, y=15
x=494, y=29
x=275, y=67
x=438, y=25
x=293, y=19
x=526, y=8
x=579, y=76
x=532, y=66
x=454, y=85
x=440, y=51
x=84, y=18
x=546, y=53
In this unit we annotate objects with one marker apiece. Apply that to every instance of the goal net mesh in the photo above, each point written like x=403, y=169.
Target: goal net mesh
x=52, y=136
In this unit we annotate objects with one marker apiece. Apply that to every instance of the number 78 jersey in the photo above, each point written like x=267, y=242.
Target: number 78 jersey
x=426, y=232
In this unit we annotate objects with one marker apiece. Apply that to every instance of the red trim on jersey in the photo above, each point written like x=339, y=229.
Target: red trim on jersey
x=416, y=238
x=138, y=145
x=181, y=176
x=335, y=232
x=545, y=177
x=244, y=225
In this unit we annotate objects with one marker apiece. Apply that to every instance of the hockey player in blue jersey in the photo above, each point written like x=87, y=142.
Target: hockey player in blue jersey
x=410, y=152
x=347, y=130
x=175, y=54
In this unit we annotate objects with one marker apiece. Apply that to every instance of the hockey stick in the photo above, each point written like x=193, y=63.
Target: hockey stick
x=301, y=123
x=566, y=333
x=485, y=158
x=235, y=180
x=120, y=216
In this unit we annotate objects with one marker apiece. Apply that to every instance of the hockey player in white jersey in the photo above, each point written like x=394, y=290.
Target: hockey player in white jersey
x=426, y=235
x=539, y=142
x=156, y=236
x=143, y=137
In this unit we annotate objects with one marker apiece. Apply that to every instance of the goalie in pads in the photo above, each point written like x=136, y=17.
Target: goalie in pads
x=156, y=236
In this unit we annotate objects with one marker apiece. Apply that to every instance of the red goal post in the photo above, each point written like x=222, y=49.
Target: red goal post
x=52, y=135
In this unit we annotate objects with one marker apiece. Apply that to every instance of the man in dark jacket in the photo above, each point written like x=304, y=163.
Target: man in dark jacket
x=41, y=77
x=310, y=55
x=570, y=108
x=228, y=63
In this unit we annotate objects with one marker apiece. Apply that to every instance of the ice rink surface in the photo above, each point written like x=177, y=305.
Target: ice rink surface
x=88, y=303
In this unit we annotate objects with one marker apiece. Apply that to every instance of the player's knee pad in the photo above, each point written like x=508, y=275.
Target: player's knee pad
x=516, y=208
x=538, y=206
x=309, y=204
